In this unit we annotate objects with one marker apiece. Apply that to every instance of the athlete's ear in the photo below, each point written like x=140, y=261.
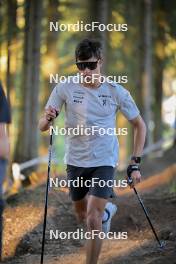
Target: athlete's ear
x=101, y=62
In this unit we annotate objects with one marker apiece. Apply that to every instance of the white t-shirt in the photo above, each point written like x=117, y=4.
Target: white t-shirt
x=92, y=108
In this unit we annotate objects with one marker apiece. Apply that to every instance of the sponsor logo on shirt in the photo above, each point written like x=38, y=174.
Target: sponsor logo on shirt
x=104, y=97
x=104, y=102
x=78, y=96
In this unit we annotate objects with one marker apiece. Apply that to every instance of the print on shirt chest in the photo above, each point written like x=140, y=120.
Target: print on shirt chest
x=78, y=97
x=105, y=99
x=98, y=103
x=77, y=104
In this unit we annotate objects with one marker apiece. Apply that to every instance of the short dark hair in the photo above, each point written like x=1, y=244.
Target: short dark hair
x=88, y=48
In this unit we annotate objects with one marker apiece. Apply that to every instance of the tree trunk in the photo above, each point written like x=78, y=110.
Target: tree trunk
x=11, y=39
x=51, y=54
x=2, y=39
x=27, y=142
x=147, y=74
x=140, y=56
x=98, y=11
x=159, y=67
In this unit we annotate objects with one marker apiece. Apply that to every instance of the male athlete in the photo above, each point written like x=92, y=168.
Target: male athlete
x=93, y=104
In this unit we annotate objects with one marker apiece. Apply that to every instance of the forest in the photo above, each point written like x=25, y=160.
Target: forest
x=34, y=54
x=37, y=49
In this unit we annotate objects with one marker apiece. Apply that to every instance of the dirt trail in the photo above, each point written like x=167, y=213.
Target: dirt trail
x=23, y=226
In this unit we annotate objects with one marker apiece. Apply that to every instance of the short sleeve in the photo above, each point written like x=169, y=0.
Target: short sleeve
x=4, y=108
x=128, y=106
x=57, y=98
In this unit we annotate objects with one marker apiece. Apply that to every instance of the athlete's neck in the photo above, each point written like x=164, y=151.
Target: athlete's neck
x=93, y=85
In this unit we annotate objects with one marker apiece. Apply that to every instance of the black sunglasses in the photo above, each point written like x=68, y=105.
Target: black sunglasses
x=91, y=65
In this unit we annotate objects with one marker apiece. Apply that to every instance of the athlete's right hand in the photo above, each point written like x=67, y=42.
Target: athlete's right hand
x=51, y=113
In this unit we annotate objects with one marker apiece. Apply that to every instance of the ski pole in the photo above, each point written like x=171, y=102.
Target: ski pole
x=46, y=198
x=161, y=243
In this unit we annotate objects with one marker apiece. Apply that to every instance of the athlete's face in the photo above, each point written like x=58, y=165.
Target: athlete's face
x=89, y=67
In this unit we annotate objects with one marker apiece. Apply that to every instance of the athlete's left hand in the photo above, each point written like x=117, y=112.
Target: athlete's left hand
x=136, y=178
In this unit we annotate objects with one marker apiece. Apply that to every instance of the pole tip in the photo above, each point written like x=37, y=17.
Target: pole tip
x=162, y=244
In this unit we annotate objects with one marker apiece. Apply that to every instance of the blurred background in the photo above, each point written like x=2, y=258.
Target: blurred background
x=30, y=52
x=146, y=54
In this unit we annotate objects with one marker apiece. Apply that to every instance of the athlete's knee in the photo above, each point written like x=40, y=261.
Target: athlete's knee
x=81, y=209
x=81, y=216
x=94, y=219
